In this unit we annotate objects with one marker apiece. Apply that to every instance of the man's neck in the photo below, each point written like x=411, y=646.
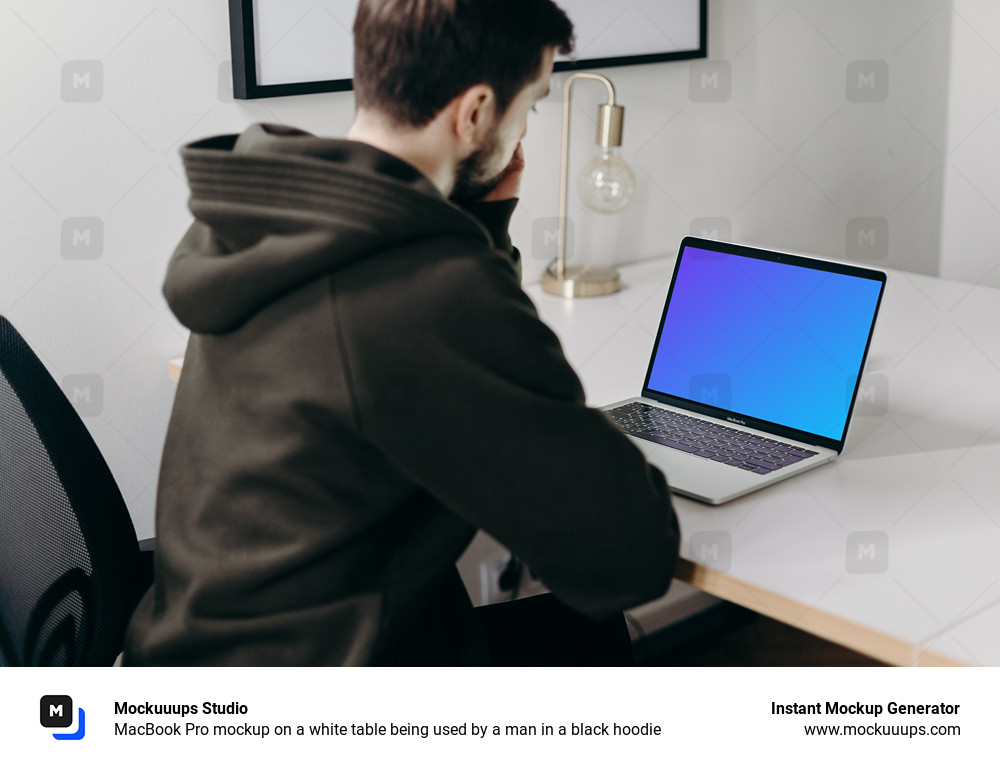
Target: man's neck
x=423, y=148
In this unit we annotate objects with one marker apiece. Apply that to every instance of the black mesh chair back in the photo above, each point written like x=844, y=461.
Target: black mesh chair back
x=70, y=572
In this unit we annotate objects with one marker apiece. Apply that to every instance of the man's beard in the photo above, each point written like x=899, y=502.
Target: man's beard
x=473, y=180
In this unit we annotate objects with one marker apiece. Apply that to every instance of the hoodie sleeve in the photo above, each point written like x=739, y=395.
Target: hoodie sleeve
x=495, y=216
x=488, y=416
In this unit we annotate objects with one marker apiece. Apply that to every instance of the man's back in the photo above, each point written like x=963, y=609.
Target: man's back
x=365, y=386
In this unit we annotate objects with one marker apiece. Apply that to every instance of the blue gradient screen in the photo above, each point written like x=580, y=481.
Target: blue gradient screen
x=773, y=341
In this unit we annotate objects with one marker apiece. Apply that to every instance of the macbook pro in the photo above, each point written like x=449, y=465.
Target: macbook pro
x=755, y=367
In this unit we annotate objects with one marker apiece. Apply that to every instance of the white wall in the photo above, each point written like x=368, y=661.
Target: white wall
x=772, y=141
x=970, y=243
x=762, y=139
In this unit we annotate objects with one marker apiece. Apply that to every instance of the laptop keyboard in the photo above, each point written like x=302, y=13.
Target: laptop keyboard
x=706, y=439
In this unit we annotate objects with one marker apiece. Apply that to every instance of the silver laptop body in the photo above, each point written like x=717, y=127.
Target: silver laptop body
x=755, y=368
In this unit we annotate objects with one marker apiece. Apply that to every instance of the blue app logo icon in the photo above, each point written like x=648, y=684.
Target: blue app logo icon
x=57, y=711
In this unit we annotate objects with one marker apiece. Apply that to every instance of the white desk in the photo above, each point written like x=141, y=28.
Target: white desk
x=921, y=467
x=972, y=642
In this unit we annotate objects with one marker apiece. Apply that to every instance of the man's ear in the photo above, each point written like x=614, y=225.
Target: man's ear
x=475, y=113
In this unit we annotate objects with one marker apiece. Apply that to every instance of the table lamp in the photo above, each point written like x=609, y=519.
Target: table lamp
x=606, y=184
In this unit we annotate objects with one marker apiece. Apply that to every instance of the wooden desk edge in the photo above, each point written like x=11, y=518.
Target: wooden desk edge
x=824, y=625
x=174, y=368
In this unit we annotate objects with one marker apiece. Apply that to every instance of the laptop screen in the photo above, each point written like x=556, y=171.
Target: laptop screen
x=771, y=337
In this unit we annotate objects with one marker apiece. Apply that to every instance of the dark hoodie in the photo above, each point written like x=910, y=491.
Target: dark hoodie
x=365, y=386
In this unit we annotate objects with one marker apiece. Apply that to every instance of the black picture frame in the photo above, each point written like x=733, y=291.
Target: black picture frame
x=245, y=86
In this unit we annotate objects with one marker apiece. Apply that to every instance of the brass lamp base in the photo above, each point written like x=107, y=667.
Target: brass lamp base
x=581, y=281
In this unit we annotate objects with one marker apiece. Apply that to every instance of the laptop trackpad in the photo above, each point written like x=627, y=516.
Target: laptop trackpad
x=697, y=477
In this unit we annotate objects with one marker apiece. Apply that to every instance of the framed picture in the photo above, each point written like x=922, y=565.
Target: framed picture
x=292, y=47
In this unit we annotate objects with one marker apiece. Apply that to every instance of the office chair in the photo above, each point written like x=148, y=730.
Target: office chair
x=71, y=571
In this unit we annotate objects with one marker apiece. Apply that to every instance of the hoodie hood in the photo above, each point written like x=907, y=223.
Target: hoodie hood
x=276, y=208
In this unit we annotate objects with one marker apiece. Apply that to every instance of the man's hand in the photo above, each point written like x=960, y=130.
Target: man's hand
x=510, y=181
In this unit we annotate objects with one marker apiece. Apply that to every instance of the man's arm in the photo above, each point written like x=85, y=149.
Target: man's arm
x=490, y=418
x=495, y=209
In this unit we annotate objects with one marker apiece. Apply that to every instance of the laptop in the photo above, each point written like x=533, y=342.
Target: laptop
x=755, y=368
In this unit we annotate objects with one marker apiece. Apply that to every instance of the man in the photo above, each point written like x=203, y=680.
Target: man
x=366, y=384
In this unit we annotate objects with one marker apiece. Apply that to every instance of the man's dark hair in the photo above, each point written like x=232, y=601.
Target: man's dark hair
x=412, y=57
